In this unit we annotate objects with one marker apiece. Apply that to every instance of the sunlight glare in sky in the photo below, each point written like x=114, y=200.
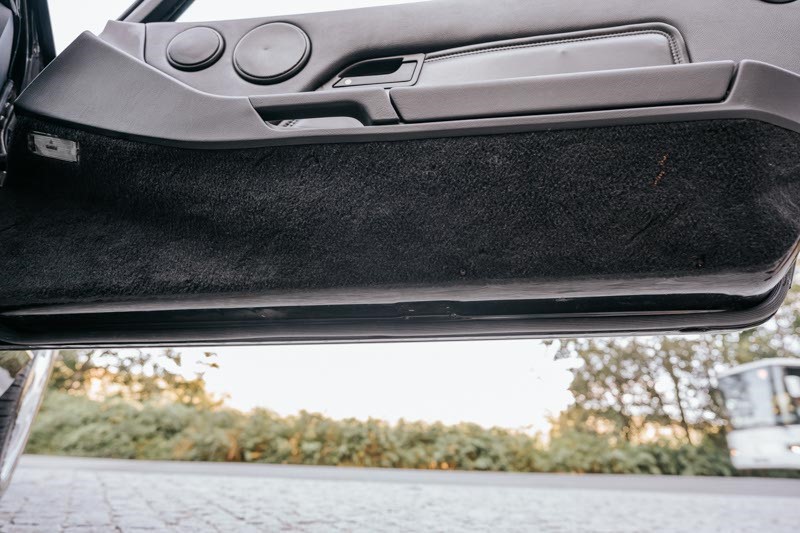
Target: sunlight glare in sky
x=511, y=384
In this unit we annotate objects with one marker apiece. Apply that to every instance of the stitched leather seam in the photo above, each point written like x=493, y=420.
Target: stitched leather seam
x=677, y=57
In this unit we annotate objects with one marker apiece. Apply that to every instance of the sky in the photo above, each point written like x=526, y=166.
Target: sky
x=71, y=17
x=511, y=384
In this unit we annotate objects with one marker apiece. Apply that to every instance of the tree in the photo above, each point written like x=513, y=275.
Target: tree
x=135, y=375
x=633, y=384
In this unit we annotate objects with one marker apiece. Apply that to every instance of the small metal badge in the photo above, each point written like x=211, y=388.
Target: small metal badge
x=53, y=147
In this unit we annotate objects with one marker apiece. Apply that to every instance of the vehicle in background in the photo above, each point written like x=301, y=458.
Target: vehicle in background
x=763, y=403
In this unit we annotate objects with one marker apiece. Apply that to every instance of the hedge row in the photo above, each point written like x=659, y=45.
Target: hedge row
x=75, y=425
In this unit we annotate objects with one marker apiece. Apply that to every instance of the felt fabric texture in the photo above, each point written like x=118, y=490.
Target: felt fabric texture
x=135, y=220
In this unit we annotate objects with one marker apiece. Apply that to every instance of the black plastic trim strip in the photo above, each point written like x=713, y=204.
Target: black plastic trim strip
x=268, y=327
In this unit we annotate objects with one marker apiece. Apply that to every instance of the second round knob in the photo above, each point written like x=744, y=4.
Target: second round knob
x=271, y=53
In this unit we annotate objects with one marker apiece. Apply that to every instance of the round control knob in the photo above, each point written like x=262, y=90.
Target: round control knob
x=271, y=53
x=195, y=48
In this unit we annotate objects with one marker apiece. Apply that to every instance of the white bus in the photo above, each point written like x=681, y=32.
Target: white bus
x=763, y=403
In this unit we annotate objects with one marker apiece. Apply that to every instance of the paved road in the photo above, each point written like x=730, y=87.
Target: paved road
x=84, y=495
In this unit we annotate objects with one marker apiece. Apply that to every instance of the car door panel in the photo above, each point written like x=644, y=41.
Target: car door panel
x=540, y=169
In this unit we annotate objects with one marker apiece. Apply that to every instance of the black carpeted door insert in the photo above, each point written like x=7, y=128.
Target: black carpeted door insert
x=134, y=220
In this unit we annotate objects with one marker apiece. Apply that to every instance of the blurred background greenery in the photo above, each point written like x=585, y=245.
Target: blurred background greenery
x=642, y=406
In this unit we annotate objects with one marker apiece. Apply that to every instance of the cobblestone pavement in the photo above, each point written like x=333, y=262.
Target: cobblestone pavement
x=79, y=495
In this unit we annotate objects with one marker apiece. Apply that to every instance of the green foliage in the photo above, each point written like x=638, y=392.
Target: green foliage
x=118, y=428
x=313, y=439
x=132, y=374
